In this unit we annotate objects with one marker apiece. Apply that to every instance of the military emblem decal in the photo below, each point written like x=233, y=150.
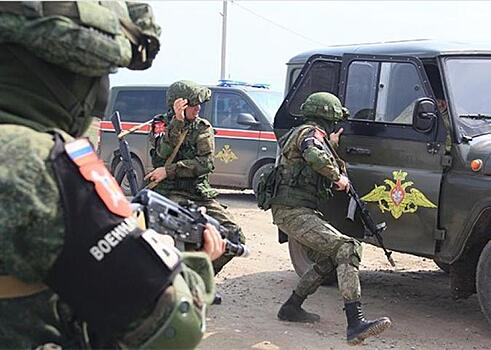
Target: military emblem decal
x=396, y=197
x=226, y=155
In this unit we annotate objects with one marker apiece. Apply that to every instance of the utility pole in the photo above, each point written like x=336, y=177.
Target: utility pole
x=223, y=71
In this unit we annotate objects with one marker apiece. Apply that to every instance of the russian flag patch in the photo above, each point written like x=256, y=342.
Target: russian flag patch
x=80, y=151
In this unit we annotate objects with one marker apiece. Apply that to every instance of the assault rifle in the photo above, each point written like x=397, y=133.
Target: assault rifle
x=185, y=222
x=371, y=228
x=124, y=151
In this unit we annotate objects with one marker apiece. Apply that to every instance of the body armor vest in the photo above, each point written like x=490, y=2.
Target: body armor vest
x=199, y=185
x=297, y=183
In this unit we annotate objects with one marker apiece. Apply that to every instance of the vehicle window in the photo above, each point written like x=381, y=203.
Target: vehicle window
x=227, y=107
x=322, y=76
x=383, y=91
x=361, y=89
x=140, y=105
x=468, y=82
x=399, y=87
x=268, y=101
x=293, y=76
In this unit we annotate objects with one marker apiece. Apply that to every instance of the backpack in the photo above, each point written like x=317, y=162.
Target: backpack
x=266, y=188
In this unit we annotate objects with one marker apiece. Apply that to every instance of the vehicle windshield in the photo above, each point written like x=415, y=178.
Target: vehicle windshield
x=269, y=101
x=469, y=83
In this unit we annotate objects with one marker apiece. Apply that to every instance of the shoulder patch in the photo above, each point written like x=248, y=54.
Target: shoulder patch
x=159, y=124
x=93, y=169
x=312, y=137
x=319, y=134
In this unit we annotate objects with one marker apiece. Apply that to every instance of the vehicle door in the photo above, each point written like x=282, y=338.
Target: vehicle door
x=237, y=133
x=396, y=169
x=320, y=73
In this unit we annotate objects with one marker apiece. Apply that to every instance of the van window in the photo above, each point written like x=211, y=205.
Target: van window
x=383, y=91
x=268, y=101
x=227, y=108
x=140, y=105
x=293, y=76
x=361, y=89
x=322, y=76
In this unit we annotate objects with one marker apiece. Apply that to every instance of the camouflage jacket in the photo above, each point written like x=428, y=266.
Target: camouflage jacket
x=32, y=231
x=306, y=168
x=193, y=163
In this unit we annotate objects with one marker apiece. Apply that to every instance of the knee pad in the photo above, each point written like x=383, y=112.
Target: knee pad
x=324, y=267
x=349, y=253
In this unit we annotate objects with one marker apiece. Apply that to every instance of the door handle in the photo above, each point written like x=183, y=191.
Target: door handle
x=358, y=150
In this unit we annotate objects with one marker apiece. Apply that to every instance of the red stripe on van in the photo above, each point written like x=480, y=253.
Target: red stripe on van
x=108, y=126
x=227, y=133
x=246, y=134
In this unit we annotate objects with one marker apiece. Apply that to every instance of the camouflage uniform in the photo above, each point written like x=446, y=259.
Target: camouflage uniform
x=187, y=175
x=305, y=173
x=53, y=61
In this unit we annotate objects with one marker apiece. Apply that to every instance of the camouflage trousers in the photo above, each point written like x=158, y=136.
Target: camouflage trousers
x=218, y=212
x=327, y=247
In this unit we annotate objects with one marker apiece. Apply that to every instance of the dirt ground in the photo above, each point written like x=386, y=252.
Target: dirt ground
x=415, y=296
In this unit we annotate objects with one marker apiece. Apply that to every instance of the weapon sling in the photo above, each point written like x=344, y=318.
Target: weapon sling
x=171, y=157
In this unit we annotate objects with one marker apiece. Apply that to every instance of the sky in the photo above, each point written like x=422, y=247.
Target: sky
x=263, y=35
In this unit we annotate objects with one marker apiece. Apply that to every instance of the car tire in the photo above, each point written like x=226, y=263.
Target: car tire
x=257, y=175
x=121, y=176
x=443, y=266
x=483, y=280
x=301, y=262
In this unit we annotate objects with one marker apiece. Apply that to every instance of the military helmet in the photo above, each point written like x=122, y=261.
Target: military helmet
x=189, y=90
x=88, y=37
x=323, y=105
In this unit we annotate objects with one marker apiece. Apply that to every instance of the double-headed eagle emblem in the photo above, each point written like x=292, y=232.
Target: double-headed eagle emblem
x=397, y=198
x=226, y=155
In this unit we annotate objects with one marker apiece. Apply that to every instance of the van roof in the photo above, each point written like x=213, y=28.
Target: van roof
x=423, y=48
x=213, y=87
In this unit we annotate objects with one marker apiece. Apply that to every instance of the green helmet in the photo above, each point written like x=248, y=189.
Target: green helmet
x=323, y=105
x=189, y=90
x=88, y=37
x=60, y=53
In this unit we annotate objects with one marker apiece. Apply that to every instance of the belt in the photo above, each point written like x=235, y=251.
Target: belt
x=11, y=287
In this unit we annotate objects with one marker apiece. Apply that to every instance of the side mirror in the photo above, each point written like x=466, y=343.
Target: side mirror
x=247, y=119
x=424, y=115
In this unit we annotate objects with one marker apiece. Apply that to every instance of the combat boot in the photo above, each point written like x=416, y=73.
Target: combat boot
x=292, y=311
x=358, y=328
x=217, y=300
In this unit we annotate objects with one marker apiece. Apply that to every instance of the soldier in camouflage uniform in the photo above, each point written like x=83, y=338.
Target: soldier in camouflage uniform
x=76, y=270
x=186, y=177
x=305, y=174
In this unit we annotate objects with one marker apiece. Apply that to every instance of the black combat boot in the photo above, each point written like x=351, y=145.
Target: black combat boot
x=217, y=300
x=292, y=311
x=358, y=328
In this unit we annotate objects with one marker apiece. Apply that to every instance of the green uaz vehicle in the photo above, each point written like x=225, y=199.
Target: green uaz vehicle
x=418, y=148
